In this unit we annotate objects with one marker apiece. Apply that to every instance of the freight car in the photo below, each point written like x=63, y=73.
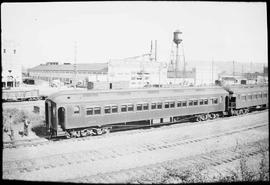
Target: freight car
x=20, y=94
x=81, y=113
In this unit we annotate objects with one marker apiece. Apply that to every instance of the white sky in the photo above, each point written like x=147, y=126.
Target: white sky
x=111, y=30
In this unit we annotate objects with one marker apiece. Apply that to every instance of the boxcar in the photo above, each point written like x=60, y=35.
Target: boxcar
x=74, y=110
x=20, y=94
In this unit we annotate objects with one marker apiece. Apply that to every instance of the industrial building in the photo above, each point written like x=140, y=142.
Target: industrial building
x=137, y=72
x=11, y=65
x=68, y=72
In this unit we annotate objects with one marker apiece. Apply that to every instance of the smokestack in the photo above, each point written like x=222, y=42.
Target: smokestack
x=155, y=50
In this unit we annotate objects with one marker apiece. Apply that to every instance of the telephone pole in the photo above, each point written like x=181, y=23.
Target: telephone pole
x=75, y=64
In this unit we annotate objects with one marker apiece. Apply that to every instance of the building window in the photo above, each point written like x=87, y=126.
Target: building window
x=139, y=107
x=114, y=109
x=107, y=110
x=76, y=110
x=89, y=111
x=97, y=110
x=124, y=108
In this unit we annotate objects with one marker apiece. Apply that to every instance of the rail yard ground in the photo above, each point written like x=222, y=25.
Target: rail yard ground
x=226, y=149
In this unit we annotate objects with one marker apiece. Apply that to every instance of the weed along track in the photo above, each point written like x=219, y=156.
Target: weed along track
x=95, y=159
x=207, y=160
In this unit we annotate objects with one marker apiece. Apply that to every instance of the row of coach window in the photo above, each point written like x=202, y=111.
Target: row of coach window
x=253, y=96
x=110, y=109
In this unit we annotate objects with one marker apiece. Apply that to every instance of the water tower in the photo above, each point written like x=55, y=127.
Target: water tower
x=177, y=40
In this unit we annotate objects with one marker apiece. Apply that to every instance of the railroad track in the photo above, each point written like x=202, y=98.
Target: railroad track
x=211, y=159
x=140, y=129
x=13, y=168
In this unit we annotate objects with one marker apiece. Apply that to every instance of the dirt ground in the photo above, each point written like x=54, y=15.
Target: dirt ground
x=120, y=152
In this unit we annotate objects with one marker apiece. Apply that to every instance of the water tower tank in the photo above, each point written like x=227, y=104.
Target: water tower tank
x=176, y=37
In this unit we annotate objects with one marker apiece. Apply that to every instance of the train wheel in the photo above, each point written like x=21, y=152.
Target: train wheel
x=241, y=112
x=83, y=132
x=68, y=135
x=213, y=116
x=198, y=119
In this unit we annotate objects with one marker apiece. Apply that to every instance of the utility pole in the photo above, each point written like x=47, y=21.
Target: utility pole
x=75, y=64
x=184, y=60
x=212, y=72
x=233, y=69
x=155, y=50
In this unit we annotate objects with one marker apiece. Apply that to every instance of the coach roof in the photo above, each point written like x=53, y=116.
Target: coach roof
x=248, y=89
x=94, y=95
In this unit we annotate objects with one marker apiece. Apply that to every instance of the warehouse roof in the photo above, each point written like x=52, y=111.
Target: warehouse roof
x=90, y=67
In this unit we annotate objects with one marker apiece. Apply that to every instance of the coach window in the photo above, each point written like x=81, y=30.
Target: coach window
x=172, y=104
x=166, y=105
x=145, y=106
x=244, y=98
x=221, y=99
x=107, y=109
x=205, y=101
x=184, y=103
x=76, y=110
x=97, y=110
x=139, y=107
x=256, y=96
x=260, y=95
x=130, y=107
x=159, y=105
x=179, y=104
x=264, y=95
x=114, y=109
x=190, y=102
x=195, y=102
x=249, y=97
x=124, y=108
x=201, y=101
x=89, y=111
x=215, y=100
x=153, y=106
